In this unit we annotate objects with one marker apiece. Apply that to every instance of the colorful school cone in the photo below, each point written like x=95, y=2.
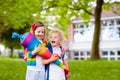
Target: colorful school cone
x=57, y=62
x=28, y=40
x=46, y=54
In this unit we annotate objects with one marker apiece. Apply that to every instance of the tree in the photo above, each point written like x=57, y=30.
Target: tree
x=97, y=30
x=17, y=15
x=64, y=10
x=115, y=8
x=9, y=42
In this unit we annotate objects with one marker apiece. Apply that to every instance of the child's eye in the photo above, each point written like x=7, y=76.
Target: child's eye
x=42, y=31
x=55, y=37
x=38, y=31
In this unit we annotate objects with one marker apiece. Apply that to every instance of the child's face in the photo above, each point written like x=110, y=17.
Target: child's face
x=54, y=39
x=40, y=32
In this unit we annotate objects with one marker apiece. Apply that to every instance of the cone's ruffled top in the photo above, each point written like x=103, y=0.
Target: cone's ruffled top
x=28, y=40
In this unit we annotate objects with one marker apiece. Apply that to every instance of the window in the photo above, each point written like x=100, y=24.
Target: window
x=81, y=53
x=105, y=52
x=78, y=26
x=75, y=31
x=76, y=53
x=82, y=32
x=111, y=23
x=112, y=53
x=118, y=31
x=104, y=23
x=118, y=52
x=118, y=22
x=81, y=26
x=88, y=52
x=75, y=26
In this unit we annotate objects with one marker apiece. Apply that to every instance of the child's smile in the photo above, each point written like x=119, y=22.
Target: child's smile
x=54, y=39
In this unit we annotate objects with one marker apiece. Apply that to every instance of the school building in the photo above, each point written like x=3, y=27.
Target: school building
x=81, y=35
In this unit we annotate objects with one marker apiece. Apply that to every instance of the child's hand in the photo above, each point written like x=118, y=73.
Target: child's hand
x=64, y=48
x=54, y=57
x=36, y=50
x=67, y=73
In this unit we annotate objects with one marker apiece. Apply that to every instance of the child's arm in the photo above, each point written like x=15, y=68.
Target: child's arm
x=36, y=50
x=25, y=54
x=67, y=72
x=66, y=64
x=64, y=47
x=54, y=57
x=31, y=54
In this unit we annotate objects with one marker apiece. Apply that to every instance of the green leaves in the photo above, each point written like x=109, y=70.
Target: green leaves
x=17, y=15
x=65, y=10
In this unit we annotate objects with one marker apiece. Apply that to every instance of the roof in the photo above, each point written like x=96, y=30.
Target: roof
x=108, y=14
x=105, y=15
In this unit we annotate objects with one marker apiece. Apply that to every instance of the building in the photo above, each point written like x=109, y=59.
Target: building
x=81, y=35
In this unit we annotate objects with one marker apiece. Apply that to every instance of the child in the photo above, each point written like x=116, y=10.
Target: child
x=54, y=72
x=35, y=67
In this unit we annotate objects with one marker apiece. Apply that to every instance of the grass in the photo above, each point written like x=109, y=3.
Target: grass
x=12, y=69
x=94, y=70
x=15, y=69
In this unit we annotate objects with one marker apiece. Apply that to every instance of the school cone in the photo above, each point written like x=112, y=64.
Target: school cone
x=46, y=54
x=29, y=42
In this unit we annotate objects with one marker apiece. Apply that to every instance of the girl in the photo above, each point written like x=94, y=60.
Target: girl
x=53, y=72
x=35, y=67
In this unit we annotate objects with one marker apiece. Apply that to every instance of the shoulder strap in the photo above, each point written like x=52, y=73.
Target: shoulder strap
x=63, y=54
x=47, y=65
x=49, y=47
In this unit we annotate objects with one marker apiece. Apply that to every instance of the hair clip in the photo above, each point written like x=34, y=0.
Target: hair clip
x=33, y=27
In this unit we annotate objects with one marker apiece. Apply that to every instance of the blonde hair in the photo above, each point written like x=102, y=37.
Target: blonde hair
x=58, y=31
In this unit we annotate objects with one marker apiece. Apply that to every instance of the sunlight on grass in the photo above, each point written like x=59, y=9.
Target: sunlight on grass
x=14, y=69
x=94, y=70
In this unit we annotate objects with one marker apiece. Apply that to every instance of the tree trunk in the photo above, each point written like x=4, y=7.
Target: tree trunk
x=97, y=30
x=11, y=52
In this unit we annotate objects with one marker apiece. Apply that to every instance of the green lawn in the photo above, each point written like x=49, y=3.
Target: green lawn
x=14, y=69
x=94, y=70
